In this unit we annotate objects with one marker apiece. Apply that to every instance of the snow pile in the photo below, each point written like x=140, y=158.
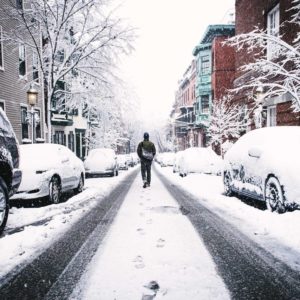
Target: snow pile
x=151, y=250
x=53, y=220
x=277, y=233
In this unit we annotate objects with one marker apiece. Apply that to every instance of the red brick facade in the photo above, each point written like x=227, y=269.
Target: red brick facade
x=223, y=67
x=253, y=14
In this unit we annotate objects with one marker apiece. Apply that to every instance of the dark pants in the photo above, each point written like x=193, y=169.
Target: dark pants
x=146, y=170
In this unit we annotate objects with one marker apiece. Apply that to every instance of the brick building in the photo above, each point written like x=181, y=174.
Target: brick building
x=183, y=112
x=215, y=74
x=267, y=15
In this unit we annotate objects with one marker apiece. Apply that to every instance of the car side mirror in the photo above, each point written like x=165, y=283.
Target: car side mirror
x=254, y=152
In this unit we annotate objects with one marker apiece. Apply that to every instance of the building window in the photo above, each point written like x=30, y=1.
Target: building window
x=19, y=4
x=205, y=67
x=37, y=116
x=24, y=122
x=22, y=60
x=59, y=138
x=35, y=67
x=273, y=24
x=1, y=49
x=2, y=105
x=271, y=116
x=71, y=141
x=205, y=104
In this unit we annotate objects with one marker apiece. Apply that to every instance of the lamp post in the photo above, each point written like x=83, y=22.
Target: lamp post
x=32, y=99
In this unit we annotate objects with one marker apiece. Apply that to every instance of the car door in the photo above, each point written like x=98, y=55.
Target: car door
x=66, y=169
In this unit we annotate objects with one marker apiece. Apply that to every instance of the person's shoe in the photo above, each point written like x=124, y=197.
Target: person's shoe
x=148, y=184
x=145, y=185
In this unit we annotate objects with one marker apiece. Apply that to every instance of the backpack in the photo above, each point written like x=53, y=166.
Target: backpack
x=147, y=154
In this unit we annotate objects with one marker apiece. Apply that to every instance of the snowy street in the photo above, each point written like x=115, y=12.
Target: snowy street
x=149, y=244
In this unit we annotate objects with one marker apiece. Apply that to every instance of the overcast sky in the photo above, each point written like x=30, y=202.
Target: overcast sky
x=168, y=31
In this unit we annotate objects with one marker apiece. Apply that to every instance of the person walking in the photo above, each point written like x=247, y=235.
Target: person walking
x=146, y=152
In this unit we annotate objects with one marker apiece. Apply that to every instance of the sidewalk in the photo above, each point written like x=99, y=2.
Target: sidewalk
x=151, y=244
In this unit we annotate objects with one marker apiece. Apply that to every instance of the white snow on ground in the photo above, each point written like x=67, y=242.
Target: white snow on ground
x=27, y=244
x=277, y=233
x=151, y=240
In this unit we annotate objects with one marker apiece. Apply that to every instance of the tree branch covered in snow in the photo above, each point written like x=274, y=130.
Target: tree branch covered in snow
x=81, y=44
x=227, y=122
x=276, y=65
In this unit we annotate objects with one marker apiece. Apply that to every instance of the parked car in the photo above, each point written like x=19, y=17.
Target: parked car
x=122, y=162
x=101, y=161
x=264, y=164
x=130, y=161
x=10, y=174
x=167, y=159
x=48, y=171
x=176, y=161
x=200, y=160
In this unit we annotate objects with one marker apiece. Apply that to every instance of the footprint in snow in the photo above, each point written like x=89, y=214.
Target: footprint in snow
x=139, y=263
x=141, y=231
x=149, y=221
x=160, y=243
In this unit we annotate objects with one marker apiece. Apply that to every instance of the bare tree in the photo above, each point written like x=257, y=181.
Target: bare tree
x=227, y=122
x=78, y=44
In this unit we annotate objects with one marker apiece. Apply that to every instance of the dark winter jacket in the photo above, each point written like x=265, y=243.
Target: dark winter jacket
x=146, y=146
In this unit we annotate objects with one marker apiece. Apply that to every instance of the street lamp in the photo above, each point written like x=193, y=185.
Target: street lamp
x=32, y=99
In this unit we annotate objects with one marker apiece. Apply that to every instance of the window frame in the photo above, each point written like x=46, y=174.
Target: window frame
x=2, y=103
x=22, y=46
x=1, y=49
x=35, y=68
x=206, y=110
x=205, y=67
x=272, y=116
x=18, y=6
x=273, y=28
x=24, y=107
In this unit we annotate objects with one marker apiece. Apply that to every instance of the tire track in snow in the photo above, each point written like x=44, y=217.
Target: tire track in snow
x=248, y=270
x=57, y=270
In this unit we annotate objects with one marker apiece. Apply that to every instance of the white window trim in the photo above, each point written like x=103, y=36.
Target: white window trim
x=270, y=53
x=3, y=101
x=38, y=68
x=2, y=54
x=269, y=108
x=23, y=76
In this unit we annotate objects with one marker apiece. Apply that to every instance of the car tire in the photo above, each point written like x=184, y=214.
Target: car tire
x=79, y=188
x=274, y=196
x=117, y=172
x=54, y=190
x=4, y=207
x=227, y=181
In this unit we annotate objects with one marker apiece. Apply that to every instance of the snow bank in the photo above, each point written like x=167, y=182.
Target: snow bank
x=277, y=233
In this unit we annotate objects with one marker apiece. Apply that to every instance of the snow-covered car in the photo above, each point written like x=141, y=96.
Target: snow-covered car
x=200, y=160
x=167, y=159
x=10, y=174
x=130, y=161
x=264, y=164
x=176, y=161
x=48, y=171
x=101, y=161
x=122, y=162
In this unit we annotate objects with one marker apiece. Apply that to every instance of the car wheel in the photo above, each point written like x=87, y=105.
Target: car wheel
x=274, y=196
x=4, y=207
x=117, y=172
x=54, y=190
x=227, y=181
x=79, y=188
